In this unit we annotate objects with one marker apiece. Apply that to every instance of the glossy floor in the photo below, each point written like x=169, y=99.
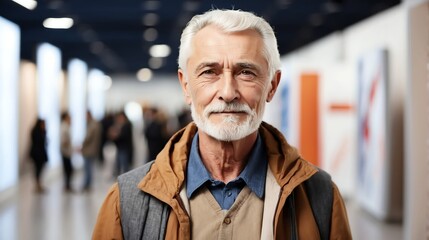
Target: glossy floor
x=58, y=215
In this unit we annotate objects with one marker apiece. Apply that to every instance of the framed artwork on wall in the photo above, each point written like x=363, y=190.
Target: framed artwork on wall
x=372, y=183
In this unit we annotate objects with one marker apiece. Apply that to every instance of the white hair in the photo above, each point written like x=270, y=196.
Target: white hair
x=231, y=21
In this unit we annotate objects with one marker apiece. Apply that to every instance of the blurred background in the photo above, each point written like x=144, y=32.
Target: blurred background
x=89, y=90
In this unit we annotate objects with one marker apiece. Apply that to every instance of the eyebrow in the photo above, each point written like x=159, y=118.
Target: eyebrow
x=216, y=64
x=247, y=65
x=205, y=64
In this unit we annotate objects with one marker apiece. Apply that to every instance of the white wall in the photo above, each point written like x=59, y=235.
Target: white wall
x=50, y=79
x=387, y=31
x=9, y=64
x=416, y=224
x=27, y=111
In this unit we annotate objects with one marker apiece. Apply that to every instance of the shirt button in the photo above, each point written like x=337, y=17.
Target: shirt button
x=227, y=220
x=229, y=194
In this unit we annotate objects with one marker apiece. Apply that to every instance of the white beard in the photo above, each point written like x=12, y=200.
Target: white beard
x=230, y=129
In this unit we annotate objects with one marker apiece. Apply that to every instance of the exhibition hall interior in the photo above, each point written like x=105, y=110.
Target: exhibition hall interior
x=353, y=98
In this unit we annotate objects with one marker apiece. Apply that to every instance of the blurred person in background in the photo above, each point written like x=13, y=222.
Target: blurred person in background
x=90, y=149
x=106, y=123
x=155, y=131
x=66, y=151
x=228, y=175
x=121, y=133
x=38, y=151
x=184, y=117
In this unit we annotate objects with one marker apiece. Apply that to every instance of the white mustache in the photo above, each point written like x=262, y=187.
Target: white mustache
x=227, y=107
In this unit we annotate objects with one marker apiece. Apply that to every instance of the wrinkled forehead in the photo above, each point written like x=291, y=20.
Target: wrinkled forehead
x=213, y=43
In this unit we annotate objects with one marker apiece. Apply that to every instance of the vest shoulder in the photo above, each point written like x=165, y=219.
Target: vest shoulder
x=135, y=175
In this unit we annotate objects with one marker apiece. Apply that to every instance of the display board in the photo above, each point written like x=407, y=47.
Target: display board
x=338, y=125
x=96, y=93
x=49, y=76
x=373, y=185
x=9, y=71
x=309, y=117
x=77, y=75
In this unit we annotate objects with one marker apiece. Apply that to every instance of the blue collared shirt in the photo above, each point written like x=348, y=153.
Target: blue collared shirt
x=253, y=175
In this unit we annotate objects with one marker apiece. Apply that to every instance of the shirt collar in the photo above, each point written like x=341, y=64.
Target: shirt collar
x=197, y=173
x=253, y=174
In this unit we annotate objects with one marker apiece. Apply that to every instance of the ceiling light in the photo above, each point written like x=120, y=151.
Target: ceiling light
x=58, y=23
x=155, y=63
x=144, y=74
x=133, y=111
x=151, y=5
x=150, y=34
x=150, y=19
x=191, y=6
x=28, y=4
x=160, y=50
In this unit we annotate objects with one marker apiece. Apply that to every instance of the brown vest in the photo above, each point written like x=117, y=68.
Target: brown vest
x=242, y=221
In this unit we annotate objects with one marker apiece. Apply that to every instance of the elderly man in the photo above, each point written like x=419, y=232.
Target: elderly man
x=228, y=175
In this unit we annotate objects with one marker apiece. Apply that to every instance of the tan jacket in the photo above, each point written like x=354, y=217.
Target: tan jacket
x=167, y=175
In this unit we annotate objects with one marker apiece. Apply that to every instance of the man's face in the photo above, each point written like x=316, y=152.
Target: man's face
x=226, y=82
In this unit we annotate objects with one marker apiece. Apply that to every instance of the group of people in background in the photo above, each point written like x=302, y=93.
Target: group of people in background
x=89, y=150
x=114, y=128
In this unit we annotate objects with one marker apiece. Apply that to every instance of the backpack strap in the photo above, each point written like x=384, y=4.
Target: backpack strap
x=142, y=216
x=290, y=201
x=320, y=194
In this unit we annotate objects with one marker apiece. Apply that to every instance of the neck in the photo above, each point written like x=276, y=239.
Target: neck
x=225, y=160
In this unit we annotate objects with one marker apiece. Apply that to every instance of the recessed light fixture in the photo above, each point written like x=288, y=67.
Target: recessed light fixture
x=160, y=50
x=150, y=34
x=28, y=4
x=151, y=5
x=191, y=6
x=144, y=75
x=155, y=63
x=58, y=23
x=150, y=19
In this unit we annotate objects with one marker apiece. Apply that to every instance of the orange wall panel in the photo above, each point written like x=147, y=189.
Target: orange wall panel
x=309, y=117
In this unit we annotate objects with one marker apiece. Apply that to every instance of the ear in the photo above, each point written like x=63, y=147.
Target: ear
x=273, y=85
x=184, y=85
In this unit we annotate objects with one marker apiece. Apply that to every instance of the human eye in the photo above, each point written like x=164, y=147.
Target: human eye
x=246, y=74
x=208, y=73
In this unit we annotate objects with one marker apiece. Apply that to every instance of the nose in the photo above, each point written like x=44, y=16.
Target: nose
x=228, y=90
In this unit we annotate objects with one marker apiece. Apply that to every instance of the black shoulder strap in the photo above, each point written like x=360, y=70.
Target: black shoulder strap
x=142, y=216
x=320, y=194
